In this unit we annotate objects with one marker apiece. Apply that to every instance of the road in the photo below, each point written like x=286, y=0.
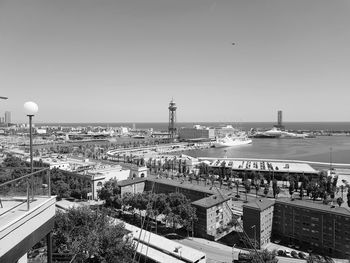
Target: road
x=216, y=253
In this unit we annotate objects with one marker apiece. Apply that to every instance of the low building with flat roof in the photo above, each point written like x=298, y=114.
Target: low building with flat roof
x=103, y=174
x=196, y=132
x=276, y=169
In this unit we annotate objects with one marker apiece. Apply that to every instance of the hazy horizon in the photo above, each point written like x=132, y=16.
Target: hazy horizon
x=97, y=61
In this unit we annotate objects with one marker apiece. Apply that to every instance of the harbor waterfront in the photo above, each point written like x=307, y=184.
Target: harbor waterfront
x=322, y=149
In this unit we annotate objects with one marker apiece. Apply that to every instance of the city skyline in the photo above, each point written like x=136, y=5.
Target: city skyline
x=123, y=61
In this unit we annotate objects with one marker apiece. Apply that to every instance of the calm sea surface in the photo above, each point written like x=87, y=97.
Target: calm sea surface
x=313, y=149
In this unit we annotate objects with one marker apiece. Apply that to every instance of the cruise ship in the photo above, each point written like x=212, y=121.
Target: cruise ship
x=230, y=141
x=277, y=133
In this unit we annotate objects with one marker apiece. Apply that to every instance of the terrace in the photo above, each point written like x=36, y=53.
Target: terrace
x=27, y=212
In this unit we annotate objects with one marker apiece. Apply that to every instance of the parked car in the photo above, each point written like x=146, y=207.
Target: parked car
x=288, y=253
x=328, y=259
x=294, y=254
x=302, y=255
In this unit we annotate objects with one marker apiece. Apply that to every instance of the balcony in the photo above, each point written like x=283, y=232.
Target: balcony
x=27, y=212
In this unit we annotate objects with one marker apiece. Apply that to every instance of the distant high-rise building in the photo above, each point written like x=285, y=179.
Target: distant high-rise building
x=172, y=118
x=7, y=117
x=279, y=120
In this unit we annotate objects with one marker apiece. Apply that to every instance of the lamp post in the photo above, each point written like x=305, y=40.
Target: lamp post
x=30, y=108
x=253, y=226
x=330, y=160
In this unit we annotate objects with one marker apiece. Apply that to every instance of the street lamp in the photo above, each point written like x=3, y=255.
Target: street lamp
x=30, y=108
x=253, y=226
x=330, y=160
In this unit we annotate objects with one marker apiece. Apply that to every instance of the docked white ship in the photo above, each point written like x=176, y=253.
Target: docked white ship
x=230, y=141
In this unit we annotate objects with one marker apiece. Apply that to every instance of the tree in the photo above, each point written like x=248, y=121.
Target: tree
x=220, y=181
x=237, y=188
x=266, y=189
x=257, y=188
x=278, y=190
x=179, y=210
x=265, y=255
x=247, y=189
x=301, y=194
x=110, y=192
x=91, y=235
x=342, y=190
x=340, y=201
x=291, y=188
x=274, y=187
x=223, y=168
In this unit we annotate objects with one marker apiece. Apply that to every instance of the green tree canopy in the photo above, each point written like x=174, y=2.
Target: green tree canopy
x=91, y=234
x=110, y=192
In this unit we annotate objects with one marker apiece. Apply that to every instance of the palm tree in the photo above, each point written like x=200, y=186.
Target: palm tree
x=291, y=188
x=237, y=186
x=340, y=201
x=257, y=188
x=229, y=184
x=266, y=189
x=247, y=189
x=301, y=194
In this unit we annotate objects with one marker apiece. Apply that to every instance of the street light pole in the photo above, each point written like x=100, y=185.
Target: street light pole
x=330, y=160
x=30, y=108
x=253, y=226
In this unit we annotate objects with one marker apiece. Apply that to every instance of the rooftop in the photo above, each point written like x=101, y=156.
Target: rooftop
x=184, y=184
x=15, y=208
x=261, y=165
x=315, y=205
x=260, y=204
x=211, y=201
x=131, y=181
x=163, y=249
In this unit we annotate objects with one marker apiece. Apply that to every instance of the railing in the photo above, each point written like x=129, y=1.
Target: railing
x=25, y=188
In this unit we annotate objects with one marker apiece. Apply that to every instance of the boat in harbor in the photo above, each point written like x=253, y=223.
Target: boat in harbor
x=230, y=141
x=278, y=133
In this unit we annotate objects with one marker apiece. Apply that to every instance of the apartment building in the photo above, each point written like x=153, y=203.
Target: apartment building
x=257, y=220
x=313, y=226
x=214, y=215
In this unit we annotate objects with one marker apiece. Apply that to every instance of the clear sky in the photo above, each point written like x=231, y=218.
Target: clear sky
x=123, y=60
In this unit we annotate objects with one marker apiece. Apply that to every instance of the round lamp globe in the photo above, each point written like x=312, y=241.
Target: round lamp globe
x=30, y=108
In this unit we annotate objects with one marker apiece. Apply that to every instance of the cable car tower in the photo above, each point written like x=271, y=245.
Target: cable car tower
x=172, y=119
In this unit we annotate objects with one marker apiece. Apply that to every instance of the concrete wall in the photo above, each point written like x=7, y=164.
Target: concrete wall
x=266, y=219
x=251, y=217
x=133, y=188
